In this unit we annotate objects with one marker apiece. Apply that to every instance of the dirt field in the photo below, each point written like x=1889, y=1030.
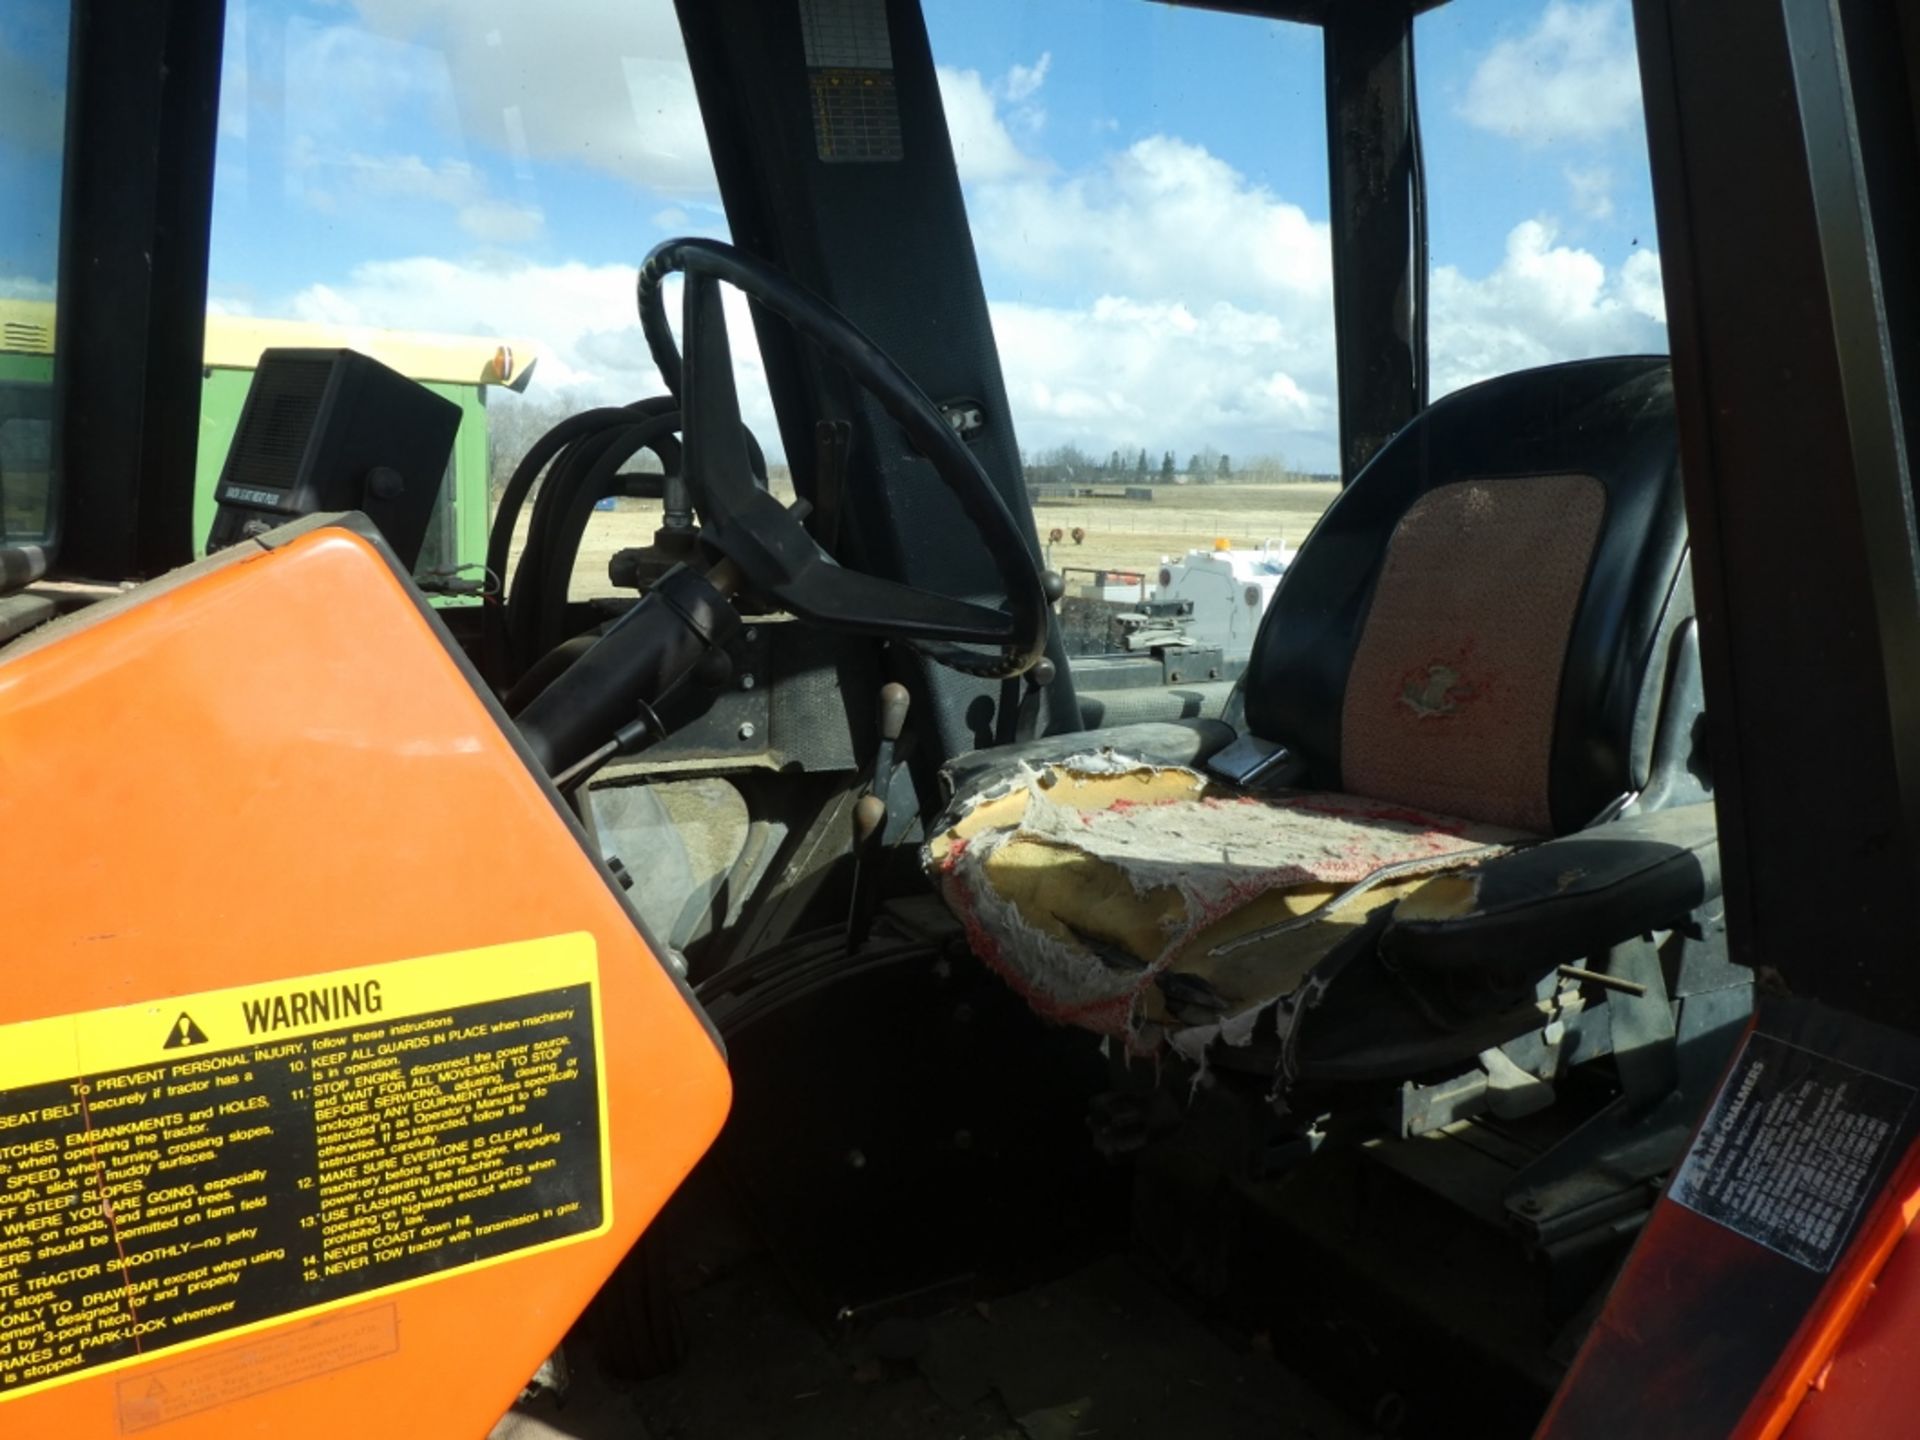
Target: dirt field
x=1119, y=534
x=1129, y=535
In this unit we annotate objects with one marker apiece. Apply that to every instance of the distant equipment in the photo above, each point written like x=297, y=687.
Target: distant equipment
x=1211, y=599
x=327, y=430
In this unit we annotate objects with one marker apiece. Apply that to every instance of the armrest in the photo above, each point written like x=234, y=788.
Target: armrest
x=1563, y=900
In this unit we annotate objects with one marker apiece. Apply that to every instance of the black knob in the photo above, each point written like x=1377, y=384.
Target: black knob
x=1042, y=673
x=1054, y=584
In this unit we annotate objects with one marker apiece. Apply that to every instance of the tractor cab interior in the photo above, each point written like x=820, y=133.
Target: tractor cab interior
x=1299, y=1052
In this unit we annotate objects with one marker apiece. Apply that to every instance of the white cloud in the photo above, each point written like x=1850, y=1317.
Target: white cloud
x=1207, y=316
x=1156, y=298
x=1186, y=305
x=601, y=83
x=1024, y=81
x=1164, y=300
x=1573, y=76
x=666, y=146
x=1544, y=302
x=337, y=84
x=580, y=320
x=1591, y=190
x=387, y=179
x=1123, y=374
x=1162, y=218
x=1116, y=371
x=1020, y=89
x=450, y=182
x=501, y=222
x=1640, y=288
x=24, y=287
x=983, y=148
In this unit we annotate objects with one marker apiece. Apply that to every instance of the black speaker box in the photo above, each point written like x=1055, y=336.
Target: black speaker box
x=326, y=430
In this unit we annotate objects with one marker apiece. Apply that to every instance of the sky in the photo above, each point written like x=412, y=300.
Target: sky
x=1146, y=185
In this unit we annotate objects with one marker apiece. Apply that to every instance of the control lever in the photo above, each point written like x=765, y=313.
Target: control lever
x=1026, y=721
x=894, y=700
x=870, y=813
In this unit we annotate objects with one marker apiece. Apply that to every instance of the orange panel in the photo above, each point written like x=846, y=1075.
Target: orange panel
x=1872, y=1386
x=1724, y=1315
x=269, y=768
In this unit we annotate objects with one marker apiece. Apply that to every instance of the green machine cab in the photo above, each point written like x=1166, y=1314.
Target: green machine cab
x=460, y=368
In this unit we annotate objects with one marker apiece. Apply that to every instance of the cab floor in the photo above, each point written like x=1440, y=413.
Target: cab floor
x=1102, y=1352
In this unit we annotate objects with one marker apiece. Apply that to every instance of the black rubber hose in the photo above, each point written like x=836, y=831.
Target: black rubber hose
x=594, y=475
x=494, y=631
x=520, y=626
x=514, y=496
x=568, y=527
x=898, y=395
x=544, y=504
x=564, y=521
x=564, y=474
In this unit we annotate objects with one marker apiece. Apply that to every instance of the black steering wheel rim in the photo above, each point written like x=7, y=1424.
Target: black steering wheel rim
x=777, y=554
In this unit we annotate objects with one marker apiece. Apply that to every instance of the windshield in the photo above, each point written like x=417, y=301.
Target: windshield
x=1147, y=186
x=33, y=105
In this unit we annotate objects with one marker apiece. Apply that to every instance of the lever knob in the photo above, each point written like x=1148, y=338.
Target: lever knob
x=893, y=710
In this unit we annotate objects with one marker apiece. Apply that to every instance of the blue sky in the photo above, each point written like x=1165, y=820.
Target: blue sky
x=33, y=62
x=1147, y=186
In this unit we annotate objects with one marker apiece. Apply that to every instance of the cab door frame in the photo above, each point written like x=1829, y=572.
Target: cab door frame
x=143, y=101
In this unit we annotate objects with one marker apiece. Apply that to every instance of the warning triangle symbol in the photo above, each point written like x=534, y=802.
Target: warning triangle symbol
x=185, y=1032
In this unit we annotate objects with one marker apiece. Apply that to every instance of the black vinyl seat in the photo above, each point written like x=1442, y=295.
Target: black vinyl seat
x=1462, y=755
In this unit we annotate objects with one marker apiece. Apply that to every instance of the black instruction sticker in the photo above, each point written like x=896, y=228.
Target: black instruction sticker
x=219, y=1185
x=1792, y=1148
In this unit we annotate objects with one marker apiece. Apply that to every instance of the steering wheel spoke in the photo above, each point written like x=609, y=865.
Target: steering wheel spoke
x=830, y=594
x=714, y=445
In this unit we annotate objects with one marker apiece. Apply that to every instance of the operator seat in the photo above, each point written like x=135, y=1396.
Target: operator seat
x=1486, y=644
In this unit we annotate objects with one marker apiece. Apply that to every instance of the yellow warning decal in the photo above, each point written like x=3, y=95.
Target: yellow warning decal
x=179, y=1171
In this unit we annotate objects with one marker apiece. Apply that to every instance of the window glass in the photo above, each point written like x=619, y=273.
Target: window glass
x=1540, y=208
x=33, y=105
x=1146, y=183
x=1147, y=186
x=438, y=185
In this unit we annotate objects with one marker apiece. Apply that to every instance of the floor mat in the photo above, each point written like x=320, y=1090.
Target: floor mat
x=1103, y=1353
x=1106, y=1352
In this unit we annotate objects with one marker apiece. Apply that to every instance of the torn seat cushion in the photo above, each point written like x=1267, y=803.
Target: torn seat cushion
x=1110, y=891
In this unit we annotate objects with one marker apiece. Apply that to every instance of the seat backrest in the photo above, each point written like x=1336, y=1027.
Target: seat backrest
x=1482, y=622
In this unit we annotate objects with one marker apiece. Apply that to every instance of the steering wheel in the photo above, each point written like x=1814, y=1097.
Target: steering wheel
x=766, y=541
